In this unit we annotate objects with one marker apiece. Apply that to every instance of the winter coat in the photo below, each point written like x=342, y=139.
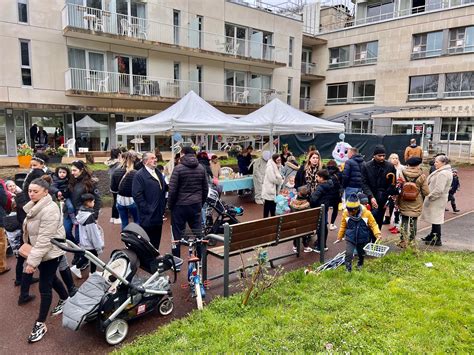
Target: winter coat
x=289, y=169
x=80, y=189
x=207, y=167
x=336, y=177
x=325, y=193
x=259, y=168
x=188, y=183
x=455, y=185
x=149, y=196
x=3, y=204
x=43, y=222
x=375, y=182
x=439, y=183
x=122, y=184
x=413, y=152
x=272, y=181
x=59, y=185
x=243, y=162
x=300, y=177
x=113, y=165
x=90, y=234
x=352, y=173
x=413, y=208
x=215, y=169
x=359, y=228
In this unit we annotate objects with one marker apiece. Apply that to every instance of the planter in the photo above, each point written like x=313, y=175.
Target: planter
x=24, y=161
x=55, y=159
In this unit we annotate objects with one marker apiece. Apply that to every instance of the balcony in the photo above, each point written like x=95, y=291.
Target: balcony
x=310, y=105
x=422, y=96
x=80, y=21
x=86, y=82
x=309, y=72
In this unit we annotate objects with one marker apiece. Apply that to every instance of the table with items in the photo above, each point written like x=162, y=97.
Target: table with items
x=236, y=184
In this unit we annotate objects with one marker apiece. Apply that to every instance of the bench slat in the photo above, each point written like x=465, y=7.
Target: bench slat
x=253, y=225
x=299, y=223
x=248, y=235
x=295, y=216
x=269, y=238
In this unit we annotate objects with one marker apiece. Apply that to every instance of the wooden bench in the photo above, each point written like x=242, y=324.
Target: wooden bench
x=247, y=236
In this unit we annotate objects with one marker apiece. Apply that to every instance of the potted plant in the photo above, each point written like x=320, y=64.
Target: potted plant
x=24, y=154
x=55, y=155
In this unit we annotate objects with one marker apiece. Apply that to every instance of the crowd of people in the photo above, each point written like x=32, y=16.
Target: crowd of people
x=66, y=204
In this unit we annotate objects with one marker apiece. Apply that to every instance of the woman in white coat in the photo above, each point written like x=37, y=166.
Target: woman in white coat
x=271, y=185
x=439, y=182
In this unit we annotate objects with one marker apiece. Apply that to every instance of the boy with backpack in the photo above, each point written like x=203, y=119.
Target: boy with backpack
x=410, y=200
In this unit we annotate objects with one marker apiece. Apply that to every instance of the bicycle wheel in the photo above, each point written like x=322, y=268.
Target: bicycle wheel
x=197, y=292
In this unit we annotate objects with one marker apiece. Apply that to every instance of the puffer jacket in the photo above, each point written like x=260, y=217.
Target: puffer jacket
x=352, y=173
x=272, y=181
x=122, y=184
x=359, y=228
x=188, y=183
x=79, y=190
x=43, y=222
x=413, y=208
x=325, y=193
x=90, y=234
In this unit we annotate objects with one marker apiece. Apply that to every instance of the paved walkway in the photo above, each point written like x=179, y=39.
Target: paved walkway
x=17, y=321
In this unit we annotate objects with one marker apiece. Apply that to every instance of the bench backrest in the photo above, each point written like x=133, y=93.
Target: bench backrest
x=271, y=230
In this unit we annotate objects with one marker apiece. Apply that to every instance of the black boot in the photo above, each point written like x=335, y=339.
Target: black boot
x=68, y=281
x=387, y=220
x=455, y=210
x=437, y=240
x=428, y=238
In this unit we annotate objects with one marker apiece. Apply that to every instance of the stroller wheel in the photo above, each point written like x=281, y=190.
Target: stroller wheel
x=116, y=331
x=166, y=306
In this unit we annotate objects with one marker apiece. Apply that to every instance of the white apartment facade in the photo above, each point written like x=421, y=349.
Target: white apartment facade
x=123, y=60
x=396, y=67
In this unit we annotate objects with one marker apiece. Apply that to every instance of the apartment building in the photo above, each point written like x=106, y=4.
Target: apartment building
x=395, y=67
x=81, y=66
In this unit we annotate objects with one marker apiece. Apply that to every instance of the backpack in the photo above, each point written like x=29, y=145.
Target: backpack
x=8, y=205
x=410, y=190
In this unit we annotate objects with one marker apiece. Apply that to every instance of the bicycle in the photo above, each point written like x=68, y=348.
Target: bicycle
x=195, y=282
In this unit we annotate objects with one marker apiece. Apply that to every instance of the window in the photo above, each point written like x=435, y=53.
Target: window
x=339, y=57
x=176, y=24
x=459, y=85
x=290, y=51
x=288, y=96
x=176, y=71
x=427, y=45
x=364, y=91
x=87, y=71
x=337, y=93
x=23, y=11
x=457, y=128
x=25, y=62
x=423, y=87
x=380, y=11
x=360, y=126
x=461, y=40
x=366, y=53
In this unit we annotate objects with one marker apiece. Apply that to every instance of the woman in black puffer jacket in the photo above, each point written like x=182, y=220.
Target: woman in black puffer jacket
x=121, y=184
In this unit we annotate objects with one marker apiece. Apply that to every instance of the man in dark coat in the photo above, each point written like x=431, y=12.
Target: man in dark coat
x=352, y=173
x=3, y=238
x=148, y=191
x=378, y=182
x=187, y=194
x=33, y=133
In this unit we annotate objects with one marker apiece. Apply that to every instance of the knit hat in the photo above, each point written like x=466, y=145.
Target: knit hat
x=453, y=170
x=379, y=149
x=188, y=150
x=414, y=161
x=352, y=201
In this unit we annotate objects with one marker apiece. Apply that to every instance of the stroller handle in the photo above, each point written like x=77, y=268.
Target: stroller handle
x=59, y=242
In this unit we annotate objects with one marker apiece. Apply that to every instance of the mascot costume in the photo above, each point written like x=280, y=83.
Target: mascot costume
x=259, y=167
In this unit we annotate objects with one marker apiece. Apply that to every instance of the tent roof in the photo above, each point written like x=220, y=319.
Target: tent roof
x=190, y=115
x=88, y=122
x=280, y=118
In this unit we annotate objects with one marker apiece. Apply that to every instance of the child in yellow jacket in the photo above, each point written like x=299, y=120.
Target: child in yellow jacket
x=356, y=225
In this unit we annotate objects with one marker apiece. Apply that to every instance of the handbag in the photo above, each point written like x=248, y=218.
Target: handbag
x=11, y=223
x=25, y=250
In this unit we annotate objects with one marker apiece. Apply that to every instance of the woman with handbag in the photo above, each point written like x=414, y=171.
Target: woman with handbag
x=43, y=223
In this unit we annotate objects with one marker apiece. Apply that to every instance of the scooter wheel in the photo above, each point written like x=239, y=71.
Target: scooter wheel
x=116, y=331
x=166, y=307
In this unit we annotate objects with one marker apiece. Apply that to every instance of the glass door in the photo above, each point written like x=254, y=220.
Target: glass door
x=235, y=86
x=123, y=69
x=20, y=133
x=3, y=134
x=256, y=44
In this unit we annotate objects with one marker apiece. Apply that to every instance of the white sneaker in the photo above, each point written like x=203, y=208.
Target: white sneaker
x=39, y=330
x=332, y=227
x=308, y=249
x=112, y=220
x=295, y=250
x=117, y=221
x=76, y=272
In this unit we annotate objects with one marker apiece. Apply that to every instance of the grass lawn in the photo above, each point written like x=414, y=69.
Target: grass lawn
x=396, y=304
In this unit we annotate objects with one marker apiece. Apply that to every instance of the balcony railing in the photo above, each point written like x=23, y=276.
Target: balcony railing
x=336, y=100
x=422, y=52
x=104, y=22
x=101, y=82
x=464, y=48
x=335, y=63
x=308, y=68
x=363, y=99
x=365, y=61
x=457, y=94
x=423, y=96
x=307, y=104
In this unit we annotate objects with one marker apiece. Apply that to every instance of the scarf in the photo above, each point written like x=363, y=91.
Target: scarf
x=310, y=177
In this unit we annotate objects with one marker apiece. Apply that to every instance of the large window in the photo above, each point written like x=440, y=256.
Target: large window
x=423, y=87
x=380, y=11
x=176, y=25
x=337, y=93
x=25, y=62
x=457, y=128
x=427, y=44
x=364, y=91
x=87, y=70
x=459, y=85
x=366, y=53
x=339, y=57
x=23, y=11
x=461, y=40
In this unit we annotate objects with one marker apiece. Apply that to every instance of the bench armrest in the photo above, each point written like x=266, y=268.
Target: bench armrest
x=215, y=237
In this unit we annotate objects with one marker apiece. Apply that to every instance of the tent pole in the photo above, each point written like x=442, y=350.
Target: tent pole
x=172, y=150
x=271, y=140
x=278, y=144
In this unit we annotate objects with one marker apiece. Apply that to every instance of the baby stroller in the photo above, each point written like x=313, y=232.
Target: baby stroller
x=218, y=213
x=118, y=295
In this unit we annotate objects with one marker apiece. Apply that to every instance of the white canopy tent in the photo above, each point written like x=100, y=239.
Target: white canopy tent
x=88, y=123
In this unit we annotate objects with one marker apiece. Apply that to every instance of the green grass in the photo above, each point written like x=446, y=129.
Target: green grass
x=395, y=305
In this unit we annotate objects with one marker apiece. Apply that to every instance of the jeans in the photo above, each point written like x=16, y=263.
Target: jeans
x=49, y=281
x=69, y=206
x=182, y=215
x=124, y=213
x=68, y=226
x=350, y=254
x=269, y=208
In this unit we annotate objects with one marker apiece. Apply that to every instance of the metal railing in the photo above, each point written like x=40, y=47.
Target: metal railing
x=365, y=61
x=336, y=100
x=308, y=68
x=101, y=82
x=307, y=104
x=461, y=49
x=290, y=10
x=363, y=99
x=422, y=96
x=419, y=52
x=336, y=64
x=104, y=22
x=463, y=93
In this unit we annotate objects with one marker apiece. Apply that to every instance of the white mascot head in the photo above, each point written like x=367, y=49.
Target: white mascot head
x=340, y=152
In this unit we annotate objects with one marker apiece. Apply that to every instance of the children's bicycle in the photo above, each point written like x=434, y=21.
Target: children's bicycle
x=195, y=282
